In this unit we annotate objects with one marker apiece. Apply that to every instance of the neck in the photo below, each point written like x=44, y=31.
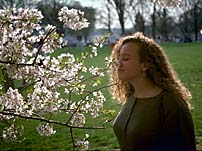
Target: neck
x=145, y=88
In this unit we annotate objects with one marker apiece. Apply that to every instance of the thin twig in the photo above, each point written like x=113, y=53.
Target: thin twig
x=24, y=88
x=106, y=86
x=42, y=41
x=34, y=61
x=72, y=137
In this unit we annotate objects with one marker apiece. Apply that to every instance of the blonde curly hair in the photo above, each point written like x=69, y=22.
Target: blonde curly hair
x=159, y=71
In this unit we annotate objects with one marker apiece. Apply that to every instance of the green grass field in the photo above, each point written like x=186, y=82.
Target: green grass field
x=186, y=59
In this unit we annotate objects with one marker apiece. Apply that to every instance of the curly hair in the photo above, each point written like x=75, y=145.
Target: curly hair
x=159, y=71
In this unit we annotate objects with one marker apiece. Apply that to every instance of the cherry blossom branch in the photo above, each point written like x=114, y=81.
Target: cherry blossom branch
x=84, y=98
x=72, y=138
x=24, y=88
x=49, y=121
x=19, y=56
x=41, y=43
x=97, y=75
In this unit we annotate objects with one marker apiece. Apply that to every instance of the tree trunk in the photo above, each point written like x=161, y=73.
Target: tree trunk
x=165, y=32
x=195, y=22
x=109, y=18
x=185, y=21
x=120, y=8
x=122, y=27
x=154, y=21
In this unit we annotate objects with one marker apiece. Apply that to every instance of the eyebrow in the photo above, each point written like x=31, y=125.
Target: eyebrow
x=124, y=54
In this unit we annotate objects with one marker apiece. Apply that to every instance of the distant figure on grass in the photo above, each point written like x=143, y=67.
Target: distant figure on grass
x=155, y=114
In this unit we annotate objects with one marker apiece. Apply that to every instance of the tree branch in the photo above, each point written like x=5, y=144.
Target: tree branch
x=24, y=88
x=84, y=98
x=47, y=120
x=41, y=43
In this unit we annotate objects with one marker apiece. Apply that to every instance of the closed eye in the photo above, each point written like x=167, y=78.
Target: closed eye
x=126, y=58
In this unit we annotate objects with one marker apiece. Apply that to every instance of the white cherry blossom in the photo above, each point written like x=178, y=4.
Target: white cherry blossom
x=73, y=18
x=45, y=129
x=48, y=84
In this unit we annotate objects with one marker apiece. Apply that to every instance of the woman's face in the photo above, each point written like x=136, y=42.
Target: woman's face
x=129, y=67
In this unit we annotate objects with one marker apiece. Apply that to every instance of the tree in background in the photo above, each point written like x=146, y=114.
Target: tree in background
x=190, y=21
x=139, y=23
x=197, y=13
x=49, y=12
x=164, y=28
x=136, y=12
x=139, y=11
x=164, y=24
x=153, y=17
x=4, y=4
x=120, y=7
x=106, y=16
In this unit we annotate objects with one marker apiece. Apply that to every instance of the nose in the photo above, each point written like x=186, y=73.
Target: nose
x=118, y=63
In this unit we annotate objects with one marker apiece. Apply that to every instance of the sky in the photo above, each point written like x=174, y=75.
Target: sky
x=92, y=3
x=99, y=5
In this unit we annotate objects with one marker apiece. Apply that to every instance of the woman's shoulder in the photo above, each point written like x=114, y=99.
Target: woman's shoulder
x=172, y=97
x=174, y=102
x=170, y=94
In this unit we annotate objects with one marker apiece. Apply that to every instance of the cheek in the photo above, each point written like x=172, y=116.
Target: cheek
x=134, y=65
x=132, y=68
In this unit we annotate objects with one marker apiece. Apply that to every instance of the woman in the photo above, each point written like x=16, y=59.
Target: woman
x=155, y=114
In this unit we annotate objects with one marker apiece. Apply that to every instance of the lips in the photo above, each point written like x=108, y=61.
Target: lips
x=120, y=70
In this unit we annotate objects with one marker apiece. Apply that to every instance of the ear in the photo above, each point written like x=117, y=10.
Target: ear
x=144, y=67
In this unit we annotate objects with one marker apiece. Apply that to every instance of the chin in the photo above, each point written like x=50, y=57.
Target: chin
x=123, y=79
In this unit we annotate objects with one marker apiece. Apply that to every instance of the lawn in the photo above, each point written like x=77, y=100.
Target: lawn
x=186, y=59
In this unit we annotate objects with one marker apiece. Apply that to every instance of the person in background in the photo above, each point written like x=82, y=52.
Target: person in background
x=155, y=115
